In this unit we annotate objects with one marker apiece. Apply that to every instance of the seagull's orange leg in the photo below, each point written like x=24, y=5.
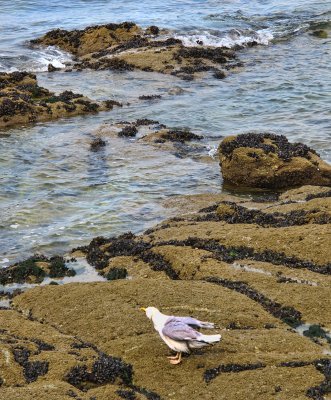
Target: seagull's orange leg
x=177, y=360
x=173, y=357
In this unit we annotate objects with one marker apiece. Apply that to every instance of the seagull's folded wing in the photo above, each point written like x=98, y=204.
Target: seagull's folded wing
x=194, y=323
x=177, y=330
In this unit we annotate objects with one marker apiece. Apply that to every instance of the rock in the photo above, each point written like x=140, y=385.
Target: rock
x=219, y=75
x=270, y=161
x=153, y=30
x=35, y=269
x=257, y=269
x=111, y=322
x=111, y=47
x=51, y=68
x=23, y=101
x=97, y=144
x=321, y=33
x=90, y=39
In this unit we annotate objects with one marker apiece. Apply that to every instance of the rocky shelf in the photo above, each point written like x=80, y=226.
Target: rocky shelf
x=23, y=101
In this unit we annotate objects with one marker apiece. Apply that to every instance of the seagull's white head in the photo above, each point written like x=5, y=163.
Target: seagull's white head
x=150, y=311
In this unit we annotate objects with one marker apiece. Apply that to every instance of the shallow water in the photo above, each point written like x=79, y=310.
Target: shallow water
x=57, y=194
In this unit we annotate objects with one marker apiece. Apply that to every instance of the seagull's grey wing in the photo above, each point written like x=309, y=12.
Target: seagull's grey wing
x=177, y=330
x=193, y=322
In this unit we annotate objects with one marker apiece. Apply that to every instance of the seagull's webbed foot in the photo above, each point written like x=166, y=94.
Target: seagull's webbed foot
x=176, y=360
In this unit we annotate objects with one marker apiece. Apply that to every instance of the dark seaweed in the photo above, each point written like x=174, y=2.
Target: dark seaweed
x=97, y=144
x=180, y=135
x=105, y=369
x=128, y=131
x=31, y=370
x=281, y=146
x=318, y=195
x=116, y=273
x=212, y=373
x=150, y=97
x=126, y=245
x=287, y=314
x=318, y=392
x=241, y=215
x=231, y=253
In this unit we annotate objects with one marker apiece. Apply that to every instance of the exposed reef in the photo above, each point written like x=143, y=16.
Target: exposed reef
x=266, y=160
x=35, y=269
x=126, y=46
x=256, y=269
x=23, y=101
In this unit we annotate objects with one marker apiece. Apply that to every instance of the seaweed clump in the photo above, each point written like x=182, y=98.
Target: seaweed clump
x=97, y=144
x=316, y=331
x=101, y=250
x=35, y=269
x=231, y=253
x=128, y=131
x=281, y=146
x=116, y=273
x=105, y=369
x=318, y=392
x=31, y=370
x=233, y=213
x=180, y=135
x=212, y=373
x=287, y=314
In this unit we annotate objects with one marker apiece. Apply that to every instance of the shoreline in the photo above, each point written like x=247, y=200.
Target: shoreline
x=257, y=265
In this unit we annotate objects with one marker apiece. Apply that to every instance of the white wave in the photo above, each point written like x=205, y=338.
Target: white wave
x=36, y=60
x=50, y=55
x=233, y=38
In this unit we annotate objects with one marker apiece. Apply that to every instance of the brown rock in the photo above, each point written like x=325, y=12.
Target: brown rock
x=23, y=101
x=270, y=161
x=126, y=46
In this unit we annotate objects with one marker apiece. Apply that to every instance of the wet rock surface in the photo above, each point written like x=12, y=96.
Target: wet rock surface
x=35, y=269
x=266, y=160
x=264, y=282
x=23, y=101
x=181, y=142
x=126, y=46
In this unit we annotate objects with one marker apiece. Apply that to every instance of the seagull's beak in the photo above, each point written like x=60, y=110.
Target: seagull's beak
x=142, y=309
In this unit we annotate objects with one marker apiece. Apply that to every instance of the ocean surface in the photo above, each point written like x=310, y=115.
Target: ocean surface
x=57, y=194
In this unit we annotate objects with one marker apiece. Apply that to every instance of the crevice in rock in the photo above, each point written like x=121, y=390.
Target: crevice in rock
x=230, y=254
x=287, y=314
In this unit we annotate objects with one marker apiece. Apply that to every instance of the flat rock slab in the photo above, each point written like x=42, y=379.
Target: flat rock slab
x=107, y=315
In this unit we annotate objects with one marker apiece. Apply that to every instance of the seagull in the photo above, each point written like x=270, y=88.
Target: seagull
x=179, y=333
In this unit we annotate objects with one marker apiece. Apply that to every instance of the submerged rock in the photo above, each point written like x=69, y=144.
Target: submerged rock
x=266, y=160
x=23, y=101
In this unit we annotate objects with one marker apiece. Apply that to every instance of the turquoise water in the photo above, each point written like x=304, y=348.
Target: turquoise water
x=56, y=194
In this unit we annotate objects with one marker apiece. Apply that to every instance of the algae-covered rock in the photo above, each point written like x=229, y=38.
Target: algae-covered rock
x=23, y=101
x=261, y=271
x=35, y=269
x=320, y=33
x=126, y=46
x=270, y=161
x=112, y=321
x=90, y=39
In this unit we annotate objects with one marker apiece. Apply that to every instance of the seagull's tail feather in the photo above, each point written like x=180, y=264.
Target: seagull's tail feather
x=207, y=325
x=211, y=338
